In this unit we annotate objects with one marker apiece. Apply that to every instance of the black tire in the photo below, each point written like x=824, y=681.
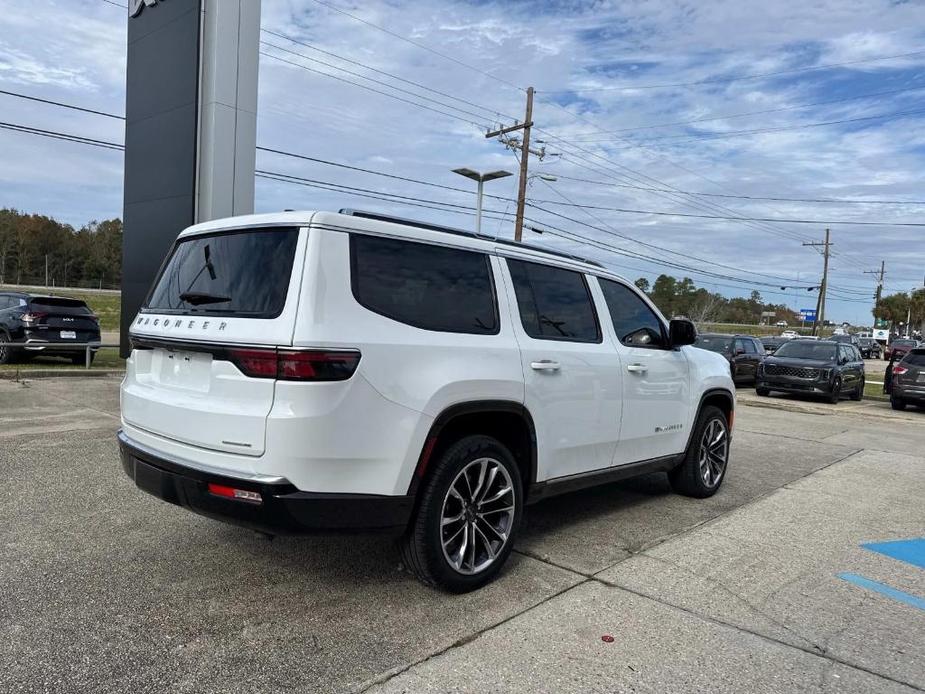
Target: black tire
x=835, y=395
x=7, y=354
x=763, y=392
x=897, y=404
x=422, y=547
x=858, y=393
x=688, y=477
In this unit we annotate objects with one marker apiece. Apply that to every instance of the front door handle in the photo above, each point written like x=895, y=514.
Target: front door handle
x=545, y=365
x=637, y=368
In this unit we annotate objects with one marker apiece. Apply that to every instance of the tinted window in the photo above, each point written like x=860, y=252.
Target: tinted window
x=807, y=349
x=634, y=322
x=5, y=302
x=914, y=359
x=721, y=344
x=59, y=305
x=555, y=304
x=428, y=287
x=242, y=273
x=746, y=345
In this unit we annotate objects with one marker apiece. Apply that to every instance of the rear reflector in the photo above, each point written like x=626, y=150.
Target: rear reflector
x=232, y=493
x=292, y=365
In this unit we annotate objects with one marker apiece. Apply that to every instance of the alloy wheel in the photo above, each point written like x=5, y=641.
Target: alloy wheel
x=478, y=512
x=714, y=452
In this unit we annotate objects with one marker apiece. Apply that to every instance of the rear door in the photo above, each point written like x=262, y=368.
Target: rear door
x=572, y=376
x=656, y=387
x=746, y=358
x=221, y=298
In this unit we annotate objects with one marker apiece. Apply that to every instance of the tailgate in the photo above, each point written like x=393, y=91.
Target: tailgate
x=192, y=397
x=218, y=294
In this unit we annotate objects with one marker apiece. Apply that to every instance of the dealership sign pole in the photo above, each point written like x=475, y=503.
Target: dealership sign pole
x=190, y=127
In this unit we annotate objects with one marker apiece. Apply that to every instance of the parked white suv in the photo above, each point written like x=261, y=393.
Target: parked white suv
x=310, y=371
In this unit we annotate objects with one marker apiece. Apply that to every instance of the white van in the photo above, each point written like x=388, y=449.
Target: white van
x=310, y=371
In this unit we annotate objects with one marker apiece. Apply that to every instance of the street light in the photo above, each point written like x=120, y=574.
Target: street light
x=480, y=178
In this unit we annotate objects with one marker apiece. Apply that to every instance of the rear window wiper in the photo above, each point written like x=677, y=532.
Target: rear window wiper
x=200, y=298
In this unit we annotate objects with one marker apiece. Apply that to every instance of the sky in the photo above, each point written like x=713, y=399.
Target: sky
x=640, y=106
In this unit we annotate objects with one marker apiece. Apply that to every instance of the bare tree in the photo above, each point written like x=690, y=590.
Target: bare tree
x=705, y=309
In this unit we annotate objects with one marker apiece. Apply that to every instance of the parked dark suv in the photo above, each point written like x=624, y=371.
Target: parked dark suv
x=743, y=352
x=908, y=387
x=45, y=325
x=819, y=367
x=870, y=348
x=898, y=347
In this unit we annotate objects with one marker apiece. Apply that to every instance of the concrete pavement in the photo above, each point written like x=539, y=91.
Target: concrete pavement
x=108, y=589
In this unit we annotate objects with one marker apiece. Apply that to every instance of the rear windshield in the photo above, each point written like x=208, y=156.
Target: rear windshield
x=59, y=304
x=806, y=349
x=237, y=273
x=903, y=343
x=715, y=343
x=915, y=358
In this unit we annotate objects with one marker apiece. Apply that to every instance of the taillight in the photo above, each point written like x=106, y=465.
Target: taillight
x=258, y=363
x=292, y=365
x=33, y=317
x=899, y=370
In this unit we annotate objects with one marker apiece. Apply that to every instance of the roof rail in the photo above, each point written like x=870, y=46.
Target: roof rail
x=460, y=232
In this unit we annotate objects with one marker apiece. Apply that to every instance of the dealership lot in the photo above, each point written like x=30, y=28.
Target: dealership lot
x=764, y=587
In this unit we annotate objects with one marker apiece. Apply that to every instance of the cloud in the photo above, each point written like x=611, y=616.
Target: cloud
x=588, y=46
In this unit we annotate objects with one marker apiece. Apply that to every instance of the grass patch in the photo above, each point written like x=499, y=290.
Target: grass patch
x=106, y=306
x=874, y=390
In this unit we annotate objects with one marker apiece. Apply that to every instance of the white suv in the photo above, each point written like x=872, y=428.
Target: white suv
x=310, y=371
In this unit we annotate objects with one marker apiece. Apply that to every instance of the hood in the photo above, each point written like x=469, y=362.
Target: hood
x=804, y=363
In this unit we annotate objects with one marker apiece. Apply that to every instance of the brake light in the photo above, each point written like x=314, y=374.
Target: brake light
x=899, y=370
x=232, y=493
x=33, y=316
x=293, y=365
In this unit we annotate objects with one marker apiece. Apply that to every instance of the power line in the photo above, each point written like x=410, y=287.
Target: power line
x=374, y=81
x=19, y=95
x=54, y=134
x=419, y=45
x=781, y=109
x=480, y=126
x=754, y=131
x=718, y=80
x=382, y=72
x=839, y=201
x=778, y=220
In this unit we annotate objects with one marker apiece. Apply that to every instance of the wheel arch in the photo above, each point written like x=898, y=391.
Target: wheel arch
x=718, y=397
x=506, y=420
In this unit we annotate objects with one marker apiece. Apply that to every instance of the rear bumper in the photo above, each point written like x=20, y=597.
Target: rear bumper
x=909, y=394
x=284, y=510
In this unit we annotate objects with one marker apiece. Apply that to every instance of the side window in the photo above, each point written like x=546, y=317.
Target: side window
x=425, y=286
x=554, y=304
x=5, y=302
x=635, y=323
x=750, y=347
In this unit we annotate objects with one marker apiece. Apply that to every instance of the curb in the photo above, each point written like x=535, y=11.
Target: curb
x=28, y=374
x=792, y=407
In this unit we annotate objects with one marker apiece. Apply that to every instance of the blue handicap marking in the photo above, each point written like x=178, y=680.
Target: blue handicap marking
x=883, y=589
x=909, y=551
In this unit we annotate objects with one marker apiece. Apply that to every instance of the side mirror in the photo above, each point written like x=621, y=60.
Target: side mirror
x=681, y=332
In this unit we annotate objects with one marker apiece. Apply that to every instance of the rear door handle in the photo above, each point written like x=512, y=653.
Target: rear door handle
x=637, y=368
x=545, y=365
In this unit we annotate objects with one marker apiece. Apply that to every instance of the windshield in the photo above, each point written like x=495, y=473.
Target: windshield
x=715, y=343
x=231, y=273
x=804, y=349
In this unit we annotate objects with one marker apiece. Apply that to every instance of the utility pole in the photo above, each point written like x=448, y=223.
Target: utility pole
x=879, y=294
x=524, y=155
x=820, y=302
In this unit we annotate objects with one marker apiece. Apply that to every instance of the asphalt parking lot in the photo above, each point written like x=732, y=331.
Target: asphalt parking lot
x=773, y=585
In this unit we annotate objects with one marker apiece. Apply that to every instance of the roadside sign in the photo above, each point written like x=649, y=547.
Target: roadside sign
x=807, y=314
